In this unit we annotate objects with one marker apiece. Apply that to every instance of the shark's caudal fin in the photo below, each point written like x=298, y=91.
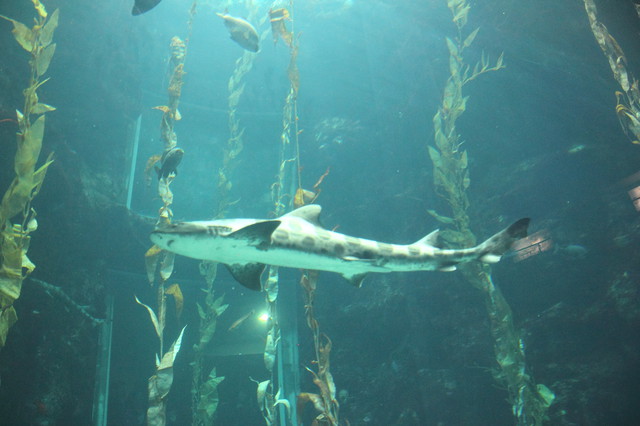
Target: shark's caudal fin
x=492, y=249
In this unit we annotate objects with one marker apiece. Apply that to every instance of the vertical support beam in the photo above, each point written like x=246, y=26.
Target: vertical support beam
x=288, y=361
x=103, y=369
x=134, y=160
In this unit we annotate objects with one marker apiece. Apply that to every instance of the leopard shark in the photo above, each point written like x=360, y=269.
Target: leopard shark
x=298, y=240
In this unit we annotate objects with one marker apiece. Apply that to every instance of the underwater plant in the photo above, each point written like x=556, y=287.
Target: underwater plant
x=289, y=176
x=325, y=402
x=529, y=400
x=159, y=263
x=15, y=266
x=235, y=144
x=627, y=101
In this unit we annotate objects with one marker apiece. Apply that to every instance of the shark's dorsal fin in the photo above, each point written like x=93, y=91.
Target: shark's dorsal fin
x=430, y=240
x=248, y=275
x=258, y=234
x=310, y=213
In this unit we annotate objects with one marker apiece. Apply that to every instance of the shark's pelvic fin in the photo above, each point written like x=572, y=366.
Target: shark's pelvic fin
x=310, y=213
x=258, y=234
x=248, y=275
x=355, y=279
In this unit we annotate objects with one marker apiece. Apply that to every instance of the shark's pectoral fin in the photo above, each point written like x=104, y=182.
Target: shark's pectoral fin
x=248, y=275
x=258, y=234
x=355, y=279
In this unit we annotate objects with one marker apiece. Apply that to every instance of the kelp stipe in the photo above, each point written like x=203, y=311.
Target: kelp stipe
x=529, y=401
x=15, y=266
x=627, y=101
x=159, y=264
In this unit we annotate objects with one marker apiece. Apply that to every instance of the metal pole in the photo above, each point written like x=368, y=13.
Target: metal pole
x=134, y=160
x=103, y=368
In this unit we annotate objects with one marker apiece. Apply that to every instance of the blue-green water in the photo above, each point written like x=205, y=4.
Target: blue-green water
x=543, y=141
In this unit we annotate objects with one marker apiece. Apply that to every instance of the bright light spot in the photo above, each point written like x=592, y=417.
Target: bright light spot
x=264, y=317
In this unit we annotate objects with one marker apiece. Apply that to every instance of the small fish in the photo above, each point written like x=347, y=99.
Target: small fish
x=169, y=162
x=574, y=251
x=241, y=32
x=142, y=6
x=240, y=320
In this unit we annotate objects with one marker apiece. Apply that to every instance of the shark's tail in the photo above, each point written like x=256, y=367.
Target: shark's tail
x=492, y=249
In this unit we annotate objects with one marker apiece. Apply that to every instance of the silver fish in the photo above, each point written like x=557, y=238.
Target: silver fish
x=242, y=32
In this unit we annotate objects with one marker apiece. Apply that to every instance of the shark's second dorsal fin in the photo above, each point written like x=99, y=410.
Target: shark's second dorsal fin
x=258, y=234
x=310, y=213
x=430, y=240
x=248, y=275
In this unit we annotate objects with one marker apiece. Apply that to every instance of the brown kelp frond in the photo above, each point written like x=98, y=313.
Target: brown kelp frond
x=15, y=266
x=628, y=101
x=451, y=181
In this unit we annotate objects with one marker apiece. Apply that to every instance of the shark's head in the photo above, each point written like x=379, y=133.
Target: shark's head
x=171, y=236
x=213, y=240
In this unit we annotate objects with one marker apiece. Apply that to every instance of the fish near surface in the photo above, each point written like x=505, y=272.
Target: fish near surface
x=297, y=240
x=142, y=6
x=242, y=32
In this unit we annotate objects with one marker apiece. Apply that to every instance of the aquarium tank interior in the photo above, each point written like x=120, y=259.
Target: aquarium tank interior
x=319, y=212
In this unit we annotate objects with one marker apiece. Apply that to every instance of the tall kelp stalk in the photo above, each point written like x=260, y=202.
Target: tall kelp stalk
x=628, y=101
x=451, y=180
x=204, y=389
x=159, y=263
x=15, y=266
x=281, y=195
x=325, y=402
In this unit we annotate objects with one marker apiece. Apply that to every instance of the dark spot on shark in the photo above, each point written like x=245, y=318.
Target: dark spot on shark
x=414, y=251
x=170, y=242
x=338, y=249
x=308, y=242
x=367, y=254
x=354, y=245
